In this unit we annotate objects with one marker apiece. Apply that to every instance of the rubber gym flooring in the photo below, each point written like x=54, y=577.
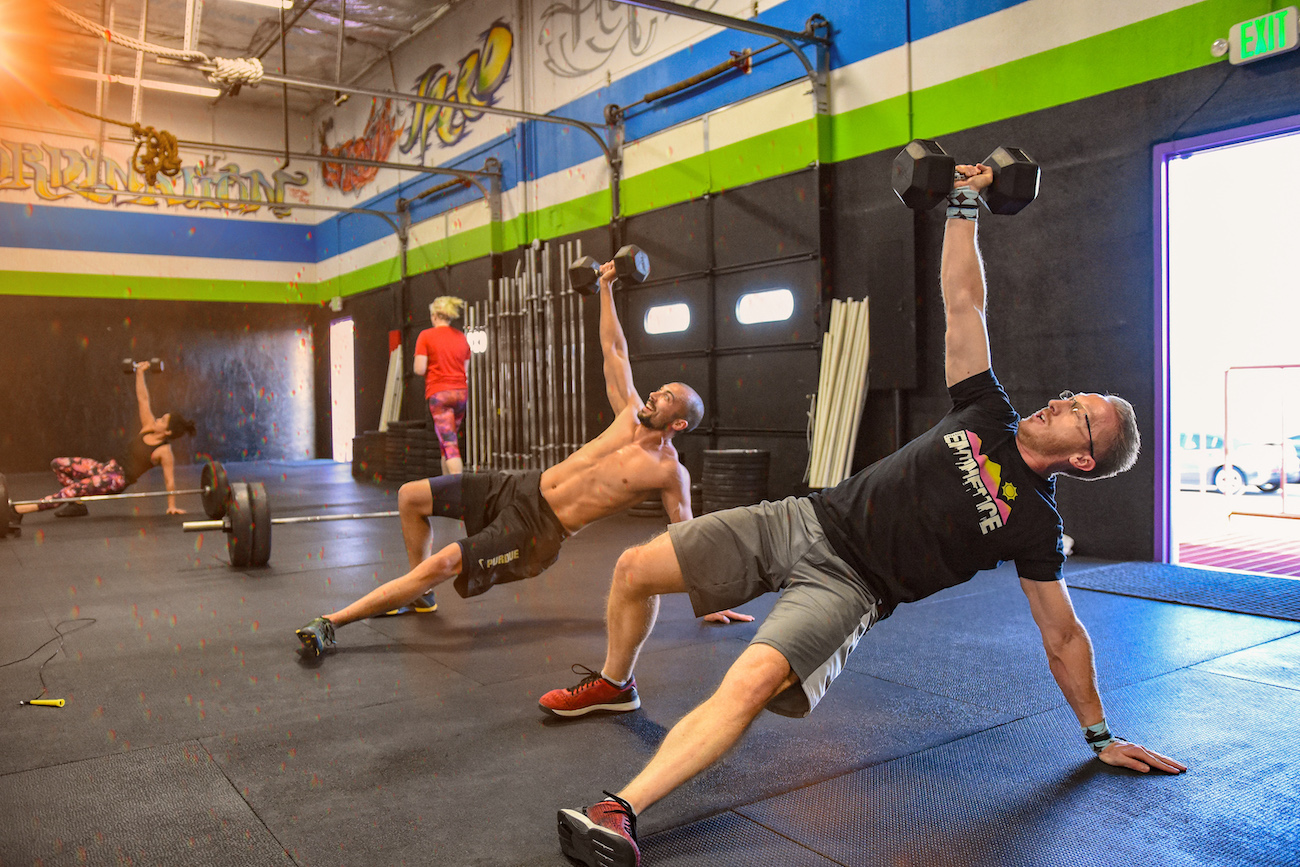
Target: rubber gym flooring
x=195, y=734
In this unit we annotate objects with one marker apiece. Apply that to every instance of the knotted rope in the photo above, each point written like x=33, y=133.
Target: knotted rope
x=228, y=73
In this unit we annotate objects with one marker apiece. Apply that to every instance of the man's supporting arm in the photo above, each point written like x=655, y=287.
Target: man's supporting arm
x=1069, y=655
x=966, y=343
x=613, y=346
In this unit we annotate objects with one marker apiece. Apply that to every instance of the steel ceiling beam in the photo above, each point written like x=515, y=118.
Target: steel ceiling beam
x=271, y=78
x=818, y=73
x=469, y=176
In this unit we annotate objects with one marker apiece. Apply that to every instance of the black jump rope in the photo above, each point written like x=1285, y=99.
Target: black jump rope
x=40, y=672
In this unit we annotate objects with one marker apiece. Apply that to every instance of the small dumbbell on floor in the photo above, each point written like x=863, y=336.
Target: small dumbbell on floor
x=631, y=265
x=923, y=175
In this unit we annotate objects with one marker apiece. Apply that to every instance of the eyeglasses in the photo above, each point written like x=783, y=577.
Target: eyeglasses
x=1075, y=406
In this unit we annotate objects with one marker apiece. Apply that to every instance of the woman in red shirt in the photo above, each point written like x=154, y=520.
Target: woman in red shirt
x=442, y=357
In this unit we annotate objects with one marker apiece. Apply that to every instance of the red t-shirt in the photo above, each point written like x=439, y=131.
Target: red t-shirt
x=447, y=351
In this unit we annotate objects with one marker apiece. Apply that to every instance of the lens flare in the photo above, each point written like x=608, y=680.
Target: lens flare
x=26, y=39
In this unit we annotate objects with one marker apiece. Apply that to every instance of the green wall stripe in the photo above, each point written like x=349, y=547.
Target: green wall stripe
x=154, y=288
x=1148, y=50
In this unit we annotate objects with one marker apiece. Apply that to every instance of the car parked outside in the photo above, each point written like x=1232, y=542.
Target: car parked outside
x=1201, y=465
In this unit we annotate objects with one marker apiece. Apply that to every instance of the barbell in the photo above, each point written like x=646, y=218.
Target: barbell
x=215, y=491
x=247, y=524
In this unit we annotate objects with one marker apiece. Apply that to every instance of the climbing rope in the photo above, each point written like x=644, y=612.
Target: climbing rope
x=157, y=152
x=228, y=72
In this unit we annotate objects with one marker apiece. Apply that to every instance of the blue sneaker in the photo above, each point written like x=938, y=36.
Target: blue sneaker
x=426, y=604
x=316, y=636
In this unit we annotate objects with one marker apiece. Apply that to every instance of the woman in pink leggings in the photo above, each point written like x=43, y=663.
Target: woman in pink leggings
x=442, y=358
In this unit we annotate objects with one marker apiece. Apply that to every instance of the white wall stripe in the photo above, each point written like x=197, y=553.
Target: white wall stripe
x=1024, y=30
x=167, y=267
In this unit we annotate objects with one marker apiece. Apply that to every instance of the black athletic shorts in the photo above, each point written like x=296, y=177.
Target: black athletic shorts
x=511, y=531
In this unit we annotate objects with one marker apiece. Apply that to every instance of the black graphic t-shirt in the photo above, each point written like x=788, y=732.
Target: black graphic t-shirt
x=955, y=500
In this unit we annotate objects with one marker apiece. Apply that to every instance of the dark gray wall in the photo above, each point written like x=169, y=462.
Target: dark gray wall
x=249, y=375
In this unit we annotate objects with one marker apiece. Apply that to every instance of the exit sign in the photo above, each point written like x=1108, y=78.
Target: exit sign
x=1274, y=33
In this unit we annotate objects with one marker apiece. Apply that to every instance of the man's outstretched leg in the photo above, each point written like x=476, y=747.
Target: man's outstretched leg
x=318, y=635
x=415, y=504
x=641, y=574
x=604, y=834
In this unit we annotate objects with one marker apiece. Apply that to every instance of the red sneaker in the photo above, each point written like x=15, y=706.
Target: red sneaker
x=602, y=835
x=594, y=692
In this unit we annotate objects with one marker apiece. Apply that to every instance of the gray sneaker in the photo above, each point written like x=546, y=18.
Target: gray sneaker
x=316, y=636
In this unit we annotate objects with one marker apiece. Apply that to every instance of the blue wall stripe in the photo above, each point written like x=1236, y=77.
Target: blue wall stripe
x=45, y=227
x=934, y=16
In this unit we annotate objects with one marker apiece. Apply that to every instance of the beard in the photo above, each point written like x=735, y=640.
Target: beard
x=647, y=419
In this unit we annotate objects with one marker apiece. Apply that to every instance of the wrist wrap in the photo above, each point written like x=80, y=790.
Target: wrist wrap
x=1098, y=736
x=963, y=204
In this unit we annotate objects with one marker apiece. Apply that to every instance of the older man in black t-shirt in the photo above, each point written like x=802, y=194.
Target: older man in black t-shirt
x=975, y=490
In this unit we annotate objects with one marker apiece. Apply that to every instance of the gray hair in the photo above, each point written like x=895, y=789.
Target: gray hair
x=1121, y=453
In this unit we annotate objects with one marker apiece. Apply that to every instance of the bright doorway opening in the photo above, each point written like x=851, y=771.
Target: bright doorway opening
x=1231, y=438
x=343, y=386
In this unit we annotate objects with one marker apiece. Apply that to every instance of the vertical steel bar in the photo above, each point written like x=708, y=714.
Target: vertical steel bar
x=535, y=368
x=139, y=62
x=566, y=303
x=101, y=90
x=467, y=447
x=582, y=365
x=562, y=365
x=539, y=365
x=494, y=371
x=525, y=376
x=553, y=434
x=507, y=357
x=476, y=397
x=516, y=354
x=526, y=348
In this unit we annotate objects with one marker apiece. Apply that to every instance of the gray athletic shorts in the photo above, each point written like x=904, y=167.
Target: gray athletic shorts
x=733, y=556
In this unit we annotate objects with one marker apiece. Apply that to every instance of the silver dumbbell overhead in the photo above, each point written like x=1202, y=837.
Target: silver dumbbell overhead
x=214, y=490
x=247, y=524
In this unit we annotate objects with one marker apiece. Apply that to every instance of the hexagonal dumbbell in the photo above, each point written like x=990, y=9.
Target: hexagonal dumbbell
x=631, y=264
x=923, y=174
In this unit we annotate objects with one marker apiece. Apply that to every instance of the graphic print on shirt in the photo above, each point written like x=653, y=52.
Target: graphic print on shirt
x=983, y=477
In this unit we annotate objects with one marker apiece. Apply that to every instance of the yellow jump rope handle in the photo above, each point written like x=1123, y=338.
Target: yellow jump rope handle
x=45, y=702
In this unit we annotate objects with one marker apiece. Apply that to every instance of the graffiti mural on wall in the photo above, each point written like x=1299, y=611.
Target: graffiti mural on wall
x=55, y=173
x=580, y=36
x=375, y=143
x=475, y=80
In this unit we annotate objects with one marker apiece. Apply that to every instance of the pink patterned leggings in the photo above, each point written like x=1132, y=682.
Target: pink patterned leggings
x=447, y=409
x=83, y=477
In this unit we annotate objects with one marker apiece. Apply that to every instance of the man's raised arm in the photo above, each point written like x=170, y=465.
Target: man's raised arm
x=613, y=346
x=966, y=343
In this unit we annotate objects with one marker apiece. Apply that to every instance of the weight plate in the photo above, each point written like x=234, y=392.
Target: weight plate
x=734, y=475
x=216, y=489
x=4, y=504
x=239, y=544
x=261, y=509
